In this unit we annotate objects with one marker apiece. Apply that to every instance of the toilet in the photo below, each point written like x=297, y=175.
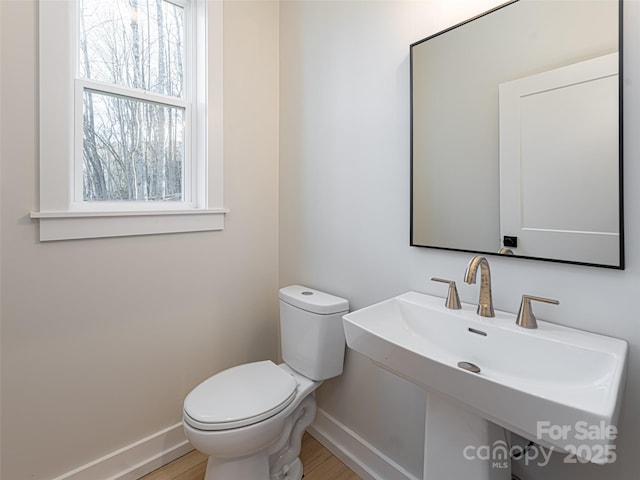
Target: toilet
x=249, y=419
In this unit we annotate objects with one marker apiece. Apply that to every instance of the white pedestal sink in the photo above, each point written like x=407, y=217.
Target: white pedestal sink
x=557, y=386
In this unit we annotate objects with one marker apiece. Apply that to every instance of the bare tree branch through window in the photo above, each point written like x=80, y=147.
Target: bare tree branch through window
x=133, y=148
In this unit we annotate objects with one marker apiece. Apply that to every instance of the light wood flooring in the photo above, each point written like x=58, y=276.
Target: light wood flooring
x=319, y=464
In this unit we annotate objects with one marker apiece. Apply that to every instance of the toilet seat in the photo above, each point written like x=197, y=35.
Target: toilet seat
x=240, y=396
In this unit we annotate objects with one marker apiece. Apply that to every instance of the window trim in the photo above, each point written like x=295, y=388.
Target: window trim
x=59, y=218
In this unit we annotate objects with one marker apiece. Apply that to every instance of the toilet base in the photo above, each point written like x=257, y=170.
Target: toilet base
x=285, y=461
x=252, y=467
x=294, y=471
x=279, y=461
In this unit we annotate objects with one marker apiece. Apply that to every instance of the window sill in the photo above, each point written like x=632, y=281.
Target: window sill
x=77, y=225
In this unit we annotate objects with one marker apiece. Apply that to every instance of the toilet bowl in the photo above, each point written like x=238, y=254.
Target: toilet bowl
x=249, y=419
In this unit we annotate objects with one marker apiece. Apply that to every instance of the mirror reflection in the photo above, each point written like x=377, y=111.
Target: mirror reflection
x=516, y=134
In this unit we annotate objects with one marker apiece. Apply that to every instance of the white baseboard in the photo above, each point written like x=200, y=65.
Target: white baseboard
x=355, y=452
x=137, y=459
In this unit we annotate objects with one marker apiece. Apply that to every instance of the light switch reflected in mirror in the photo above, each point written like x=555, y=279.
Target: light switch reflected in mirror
x=516, y=133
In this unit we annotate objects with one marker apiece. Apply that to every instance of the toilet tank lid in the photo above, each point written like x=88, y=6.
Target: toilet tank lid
x=313, y=301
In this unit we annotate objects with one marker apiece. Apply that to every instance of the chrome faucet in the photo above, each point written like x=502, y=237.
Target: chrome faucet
x=485, y=302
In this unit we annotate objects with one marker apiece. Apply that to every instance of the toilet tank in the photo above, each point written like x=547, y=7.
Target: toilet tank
x=311, y=332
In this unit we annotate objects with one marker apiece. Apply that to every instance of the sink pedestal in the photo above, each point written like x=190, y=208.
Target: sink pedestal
x=460, y=445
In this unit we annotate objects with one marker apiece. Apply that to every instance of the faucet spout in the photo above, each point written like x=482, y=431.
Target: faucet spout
x=485, y=302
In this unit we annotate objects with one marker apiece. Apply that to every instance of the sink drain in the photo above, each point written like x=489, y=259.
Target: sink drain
x=469, y=367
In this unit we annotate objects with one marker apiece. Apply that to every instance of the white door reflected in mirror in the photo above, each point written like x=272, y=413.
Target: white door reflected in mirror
x=559, y=162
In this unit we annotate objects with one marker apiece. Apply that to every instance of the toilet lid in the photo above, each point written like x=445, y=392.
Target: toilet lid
x=240, y=396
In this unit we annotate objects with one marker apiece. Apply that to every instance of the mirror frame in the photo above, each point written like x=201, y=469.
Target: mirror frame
x=621, y=265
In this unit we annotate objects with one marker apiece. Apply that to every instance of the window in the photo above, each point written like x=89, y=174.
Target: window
x=128, y=144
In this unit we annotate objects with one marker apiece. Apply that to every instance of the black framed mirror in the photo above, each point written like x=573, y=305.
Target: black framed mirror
x=516, y=133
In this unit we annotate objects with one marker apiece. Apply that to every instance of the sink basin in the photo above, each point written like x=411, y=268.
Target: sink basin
x=557, y=386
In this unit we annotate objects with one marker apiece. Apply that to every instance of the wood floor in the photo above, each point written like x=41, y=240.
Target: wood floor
x=319, y=464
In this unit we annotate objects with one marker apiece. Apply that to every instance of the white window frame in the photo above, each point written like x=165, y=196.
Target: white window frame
x=61, y=215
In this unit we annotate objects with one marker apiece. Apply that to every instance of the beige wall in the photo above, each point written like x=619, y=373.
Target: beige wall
x=102, y=339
